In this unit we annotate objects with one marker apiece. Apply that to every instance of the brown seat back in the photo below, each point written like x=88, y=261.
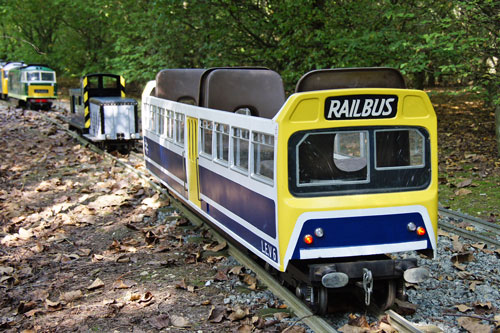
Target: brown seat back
x=342, y=78
x=179, y=85
x=230, y=89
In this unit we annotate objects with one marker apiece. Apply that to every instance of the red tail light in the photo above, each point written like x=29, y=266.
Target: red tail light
x=308, y=239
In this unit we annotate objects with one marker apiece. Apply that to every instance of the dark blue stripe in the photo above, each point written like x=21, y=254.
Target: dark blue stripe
x=254, y=240
x=361, y=231
x=169, y=160
x=249, y=205
x=163, y=176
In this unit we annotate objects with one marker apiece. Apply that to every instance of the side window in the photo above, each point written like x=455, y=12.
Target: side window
x=222, y=142
x=240, y=138
x=152, y=119
x=206, y=136
x=263, y=155
x=161, y=121
x=179, y=128
x=170, y=125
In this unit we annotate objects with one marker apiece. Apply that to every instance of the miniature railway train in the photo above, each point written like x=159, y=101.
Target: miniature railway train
x=32, y=85
x=321, y=186
x=101, y=112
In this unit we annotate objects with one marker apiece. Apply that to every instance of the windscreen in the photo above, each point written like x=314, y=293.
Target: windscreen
x=358, y=160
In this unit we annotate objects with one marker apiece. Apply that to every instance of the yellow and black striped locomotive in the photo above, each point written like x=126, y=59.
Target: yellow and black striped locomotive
x=102, y=113
x=323, y=186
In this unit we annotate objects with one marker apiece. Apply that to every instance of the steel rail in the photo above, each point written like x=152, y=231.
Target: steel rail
x=401, y=324
x=490, y=226
x=468, y=234
x=304, y=314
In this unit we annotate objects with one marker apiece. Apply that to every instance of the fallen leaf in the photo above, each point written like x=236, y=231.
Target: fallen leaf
x=463, y=307
x=295, y=329
x=7, y=270
x=464, y=183
x=33, y=313
x=218, y=247
x=24, y=307
x=84, y=252
x=212, y=260
x=353, y=329
x=245, y=328
x=479, y=246
x=179, y=321
x=238, y=314
x=160, y=322
x=460, y=258
x=25, y=234
x=473, y=284
x=148, y=296
x=220, y=276
x=236, y=270
x=52, y=306
x=473, y=325
x=457, y=246
x=462, y=191
x=250, y=280
x=443, y=233
x=217, y=314
x=120, y=284
x=483, y=305
x=123, y=259
x=358, y=321
x=96, y=284
x=281, y=315
x=71, y=296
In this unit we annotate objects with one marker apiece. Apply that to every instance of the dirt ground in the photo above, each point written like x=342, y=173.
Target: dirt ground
x=88, y=247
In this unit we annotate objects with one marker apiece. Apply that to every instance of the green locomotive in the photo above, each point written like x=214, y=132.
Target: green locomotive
x=34, y=86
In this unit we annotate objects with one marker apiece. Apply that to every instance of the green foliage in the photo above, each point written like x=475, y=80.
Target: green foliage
x=431, y=42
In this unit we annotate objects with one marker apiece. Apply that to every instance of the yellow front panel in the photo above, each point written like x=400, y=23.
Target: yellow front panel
x=38, y=91
x=306, y=111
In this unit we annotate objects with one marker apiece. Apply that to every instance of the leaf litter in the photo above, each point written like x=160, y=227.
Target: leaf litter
x=85, y=246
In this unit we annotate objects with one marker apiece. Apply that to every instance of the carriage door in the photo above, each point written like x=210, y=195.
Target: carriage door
x=192, y=169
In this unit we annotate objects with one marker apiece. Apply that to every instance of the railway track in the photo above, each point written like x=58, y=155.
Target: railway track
x=479, y=230
x=299, y=308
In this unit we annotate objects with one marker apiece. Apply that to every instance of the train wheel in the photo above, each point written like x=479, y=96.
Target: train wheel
x=320, y=300
x=385, y=294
